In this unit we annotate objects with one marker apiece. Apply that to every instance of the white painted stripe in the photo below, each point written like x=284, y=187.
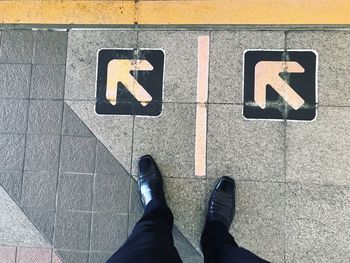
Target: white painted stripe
x=203, y=69
x=201, y=109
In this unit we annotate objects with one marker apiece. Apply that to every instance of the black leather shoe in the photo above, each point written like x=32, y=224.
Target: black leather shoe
x=222, y=202
x=150, y=181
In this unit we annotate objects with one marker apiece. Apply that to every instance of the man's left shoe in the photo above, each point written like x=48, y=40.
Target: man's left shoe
x=221, y=206
x=150, y=181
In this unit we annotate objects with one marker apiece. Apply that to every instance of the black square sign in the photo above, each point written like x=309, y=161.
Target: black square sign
x=280, y=84
x=129, y=82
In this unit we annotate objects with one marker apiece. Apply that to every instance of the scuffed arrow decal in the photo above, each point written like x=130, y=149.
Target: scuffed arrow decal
x=119, y=71
x=267, y=72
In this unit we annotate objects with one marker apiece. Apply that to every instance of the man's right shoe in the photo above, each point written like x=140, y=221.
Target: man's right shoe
x=222, y=202
x=150, y=181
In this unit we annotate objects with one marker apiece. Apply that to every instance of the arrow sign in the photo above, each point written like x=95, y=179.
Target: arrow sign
x=267, y=72
x=118, y=70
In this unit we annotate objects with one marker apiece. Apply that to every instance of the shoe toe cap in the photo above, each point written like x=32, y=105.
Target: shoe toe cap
x=226, y=184
x=146, y=163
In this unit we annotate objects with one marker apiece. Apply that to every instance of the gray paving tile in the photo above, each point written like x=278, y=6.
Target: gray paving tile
x=318, y=152
x=11, y=181
x=333, y=67
x=187, y=252
x=72, y=125
x=109, y=231
x=15, y=227
x=135, y=207
x=99, y=257
x=15, y=80
x=43, y=219
x=106, y=163
x=187, y=199
x=244, y=149
x=181, y=55
x=45, y=117
x=73, y=256
x=78, y=154
x=169, y=139
x=115, y=132
x=42, y=152
x=75, y=192
x=259, y=219
x=82, y=55
x=48, y=81
x=226, y=60
x=111, y=192
x=12, y=151
x=50, y=47
x=16, y=46
x=72, y=230
x=39, y=189
x=13, y=115
x=317, y=223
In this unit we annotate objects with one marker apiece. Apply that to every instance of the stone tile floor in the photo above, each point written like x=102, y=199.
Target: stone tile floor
x=69, y=169
x=59, y=174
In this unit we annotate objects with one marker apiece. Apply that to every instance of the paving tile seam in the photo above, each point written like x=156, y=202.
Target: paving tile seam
x=30, y=99
x=130, y=203
x=318, y=104
x=164, y=102
x=131, y=159
x=92, y=195
x=69, y=173
x=343, y=186
x=133, y=117
x=21, y=246
x=90, y=211
x=59, y=154
x=26, y=134
x=34, y=64
x=285, y=192
x=209, y=178
x=46, y=134
x=83, y=250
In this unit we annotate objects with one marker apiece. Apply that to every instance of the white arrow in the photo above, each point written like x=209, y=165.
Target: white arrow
x=267, y=72
x=119, y=71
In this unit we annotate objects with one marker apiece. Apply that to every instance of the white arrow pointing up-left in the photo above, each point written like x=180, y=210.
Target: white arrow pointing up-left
x=119, y=71
x=267, y=72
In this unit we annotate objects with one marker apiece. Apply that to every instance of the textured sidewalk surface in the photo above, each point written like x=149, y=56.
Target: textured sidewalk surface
x=68, y=172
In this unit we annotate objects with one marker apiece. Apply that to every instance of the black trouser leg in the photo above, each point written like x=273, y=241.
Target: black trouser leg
x=219, y=246
x=151, y=240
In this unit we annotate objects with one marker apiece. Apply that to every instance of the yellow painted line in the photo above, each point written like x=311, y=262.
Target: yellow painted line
x=67, y=12
x=174, y=12
x=245, y=12
x=201, y=109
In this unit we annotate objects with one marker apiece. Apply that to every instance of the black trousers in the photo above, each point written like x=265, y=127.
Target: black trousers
x=151, y=241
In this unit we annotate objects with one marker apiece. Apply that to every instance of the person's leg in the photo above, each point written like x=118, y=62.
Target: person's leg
x=218, y=245
x=151, y=240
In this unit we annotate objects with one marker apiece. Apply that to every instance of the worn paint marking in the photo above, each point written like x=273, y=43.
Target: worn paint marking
x=201, y=109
